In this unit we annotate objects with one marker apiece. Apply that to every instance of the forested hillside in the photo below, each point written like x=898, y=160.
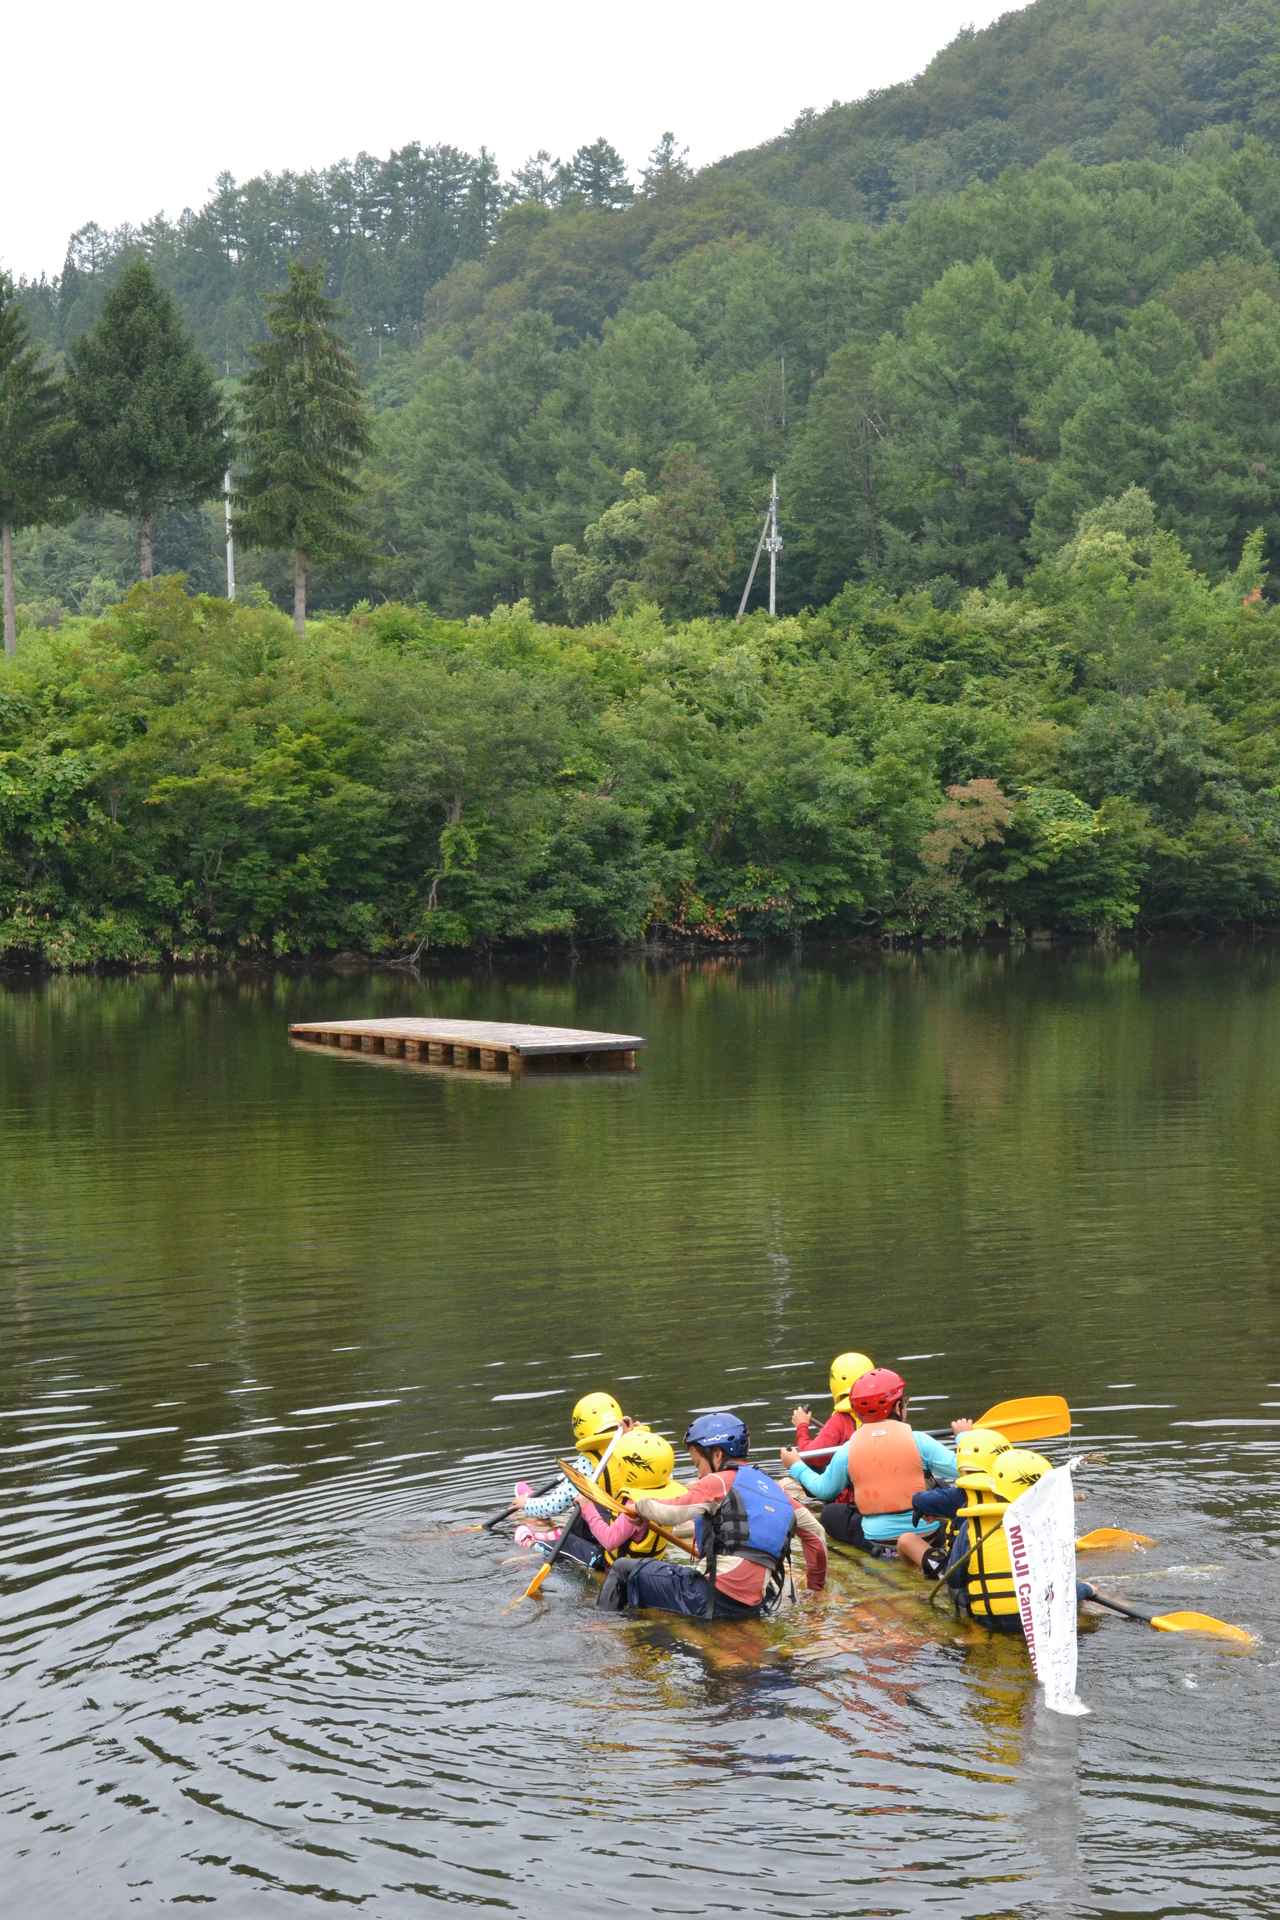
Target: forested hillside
x=1010, y=336
x=918, y=307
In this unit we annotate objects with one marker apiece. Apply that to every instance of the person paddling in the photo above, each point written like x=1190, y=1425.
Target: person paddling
x=883, y=1465
x=846, y=1369
x=743, y=1523
x=977, y=1450
x=979, y=1570
x=975, y=1560
x=642, y=1462
x=595, y=1419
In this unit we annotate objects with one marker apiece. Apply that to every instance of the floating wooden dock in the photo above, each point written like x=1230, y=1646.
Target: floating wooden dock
x=485, y=1046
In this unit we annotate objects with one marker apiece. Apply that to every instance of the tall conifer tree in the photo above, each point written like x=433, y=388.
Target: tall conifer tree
x=305, y=429
x=33, y=442
x=150, y=422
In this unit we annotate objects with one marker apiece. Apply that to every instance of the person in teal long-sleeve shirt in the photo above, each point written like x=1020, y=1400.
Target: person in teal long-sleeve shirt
x=896, y=1460
x=879, y=1527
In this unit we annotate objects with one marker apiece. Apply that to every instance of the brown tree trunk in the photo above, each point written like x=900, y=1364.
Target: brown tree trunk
x=146, y=546
x=10, y=610
x=300, y=593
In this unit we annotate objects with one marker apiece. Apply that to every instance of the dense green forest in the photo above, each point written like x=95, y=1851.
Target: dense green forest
x=1010, y=336
x=1090, y=752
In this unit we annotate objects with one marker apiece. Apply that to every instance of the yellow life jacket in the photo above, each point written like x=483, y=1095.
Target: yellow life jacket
x=650, y=1545
x=986, y=1579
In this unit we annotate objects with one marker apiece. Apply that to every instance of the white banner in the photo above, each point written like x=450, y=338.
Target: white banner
x=1040, y=1527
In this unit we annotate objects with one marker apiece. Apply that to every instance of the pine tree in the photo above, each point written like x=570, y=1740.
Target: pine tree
x=34, y=441
x=538, y=179
x=689, y=549
x=599, y=174
x=150, y=422
x=305, y=428
x=667, y=168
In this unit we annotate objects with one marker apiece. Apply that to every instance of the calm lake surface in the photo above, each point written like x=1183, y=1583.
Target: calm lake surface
x=272, y=1320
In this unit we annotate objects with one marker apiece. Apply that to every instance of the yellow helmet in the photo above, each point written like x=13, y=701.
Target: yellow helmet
x=977, y=1449
x=1016, y=1469
x=595, y=1418
x=845, y=1369
x=643, y=1460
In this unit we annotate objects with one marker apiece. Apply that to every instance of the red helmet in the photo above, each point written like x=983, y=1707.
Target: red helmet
x=877, y=1394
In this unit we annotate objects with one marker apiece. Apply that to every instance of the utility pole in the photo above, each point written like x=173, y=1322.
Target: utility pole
x=773, y=546
x=770, y=542
x=231, y=545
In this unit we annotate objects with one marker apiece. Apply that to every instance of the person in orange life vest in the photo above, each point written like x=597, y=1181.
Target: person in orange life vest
x=884, y=1464
x=977, y=1450
x=846, y=1368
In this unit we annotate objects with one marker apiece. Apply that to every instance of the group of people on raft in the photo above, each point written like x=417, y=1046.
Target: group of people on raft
x=884, y=1488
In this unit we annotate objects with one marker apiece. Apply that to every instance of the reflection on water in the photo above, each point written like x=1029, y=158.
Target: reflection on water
x=277, y=1324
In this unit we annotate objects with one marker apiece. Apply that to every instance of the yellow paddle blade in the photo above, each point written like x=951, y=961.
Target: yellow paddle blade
x=535, y=1585
x=1111, y=1537
x=1040, y=1416
x=1201, y=1623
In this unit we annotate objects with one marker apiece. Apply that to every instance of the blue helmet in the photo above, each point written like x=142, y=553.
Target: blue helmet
x=723, y=1430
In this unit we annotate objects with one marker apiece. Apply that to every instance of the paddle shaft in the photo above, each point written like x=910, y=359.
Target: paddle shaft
x=505, y=1513
x=1038, y=1417
x=826, y=1453
x=963, y=1561
x=1113, y=1606
x=538, y=1578
x=610, y=1501
x=672, y=1539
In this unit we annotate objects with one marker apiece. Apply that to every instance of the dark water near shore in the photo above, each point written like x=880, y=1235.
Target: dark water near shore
x=271, y=1320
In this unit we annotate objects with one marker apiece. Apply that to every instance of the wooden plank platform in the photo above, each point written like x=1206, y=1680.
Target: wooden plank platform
x=482, y=1046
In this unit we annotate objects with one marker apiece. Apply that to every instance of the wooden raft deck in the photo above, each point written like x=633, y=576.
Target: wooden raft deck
x=484, y=1045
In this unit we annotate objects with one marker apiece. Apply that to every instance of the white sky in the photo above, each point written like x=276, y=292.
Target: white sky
x=114, y=113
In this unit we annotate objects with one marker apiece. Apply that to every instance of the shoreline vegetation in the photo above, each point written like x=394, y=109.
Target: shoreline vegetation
x=186, y=781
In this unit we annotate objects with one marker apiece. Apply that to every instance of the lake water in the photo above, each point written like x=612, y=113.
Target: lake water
x=273, y=1321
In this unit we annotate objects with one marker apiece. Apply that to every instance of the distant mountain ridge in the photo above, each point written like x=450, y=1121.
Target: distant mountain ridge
x=1097, y=80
